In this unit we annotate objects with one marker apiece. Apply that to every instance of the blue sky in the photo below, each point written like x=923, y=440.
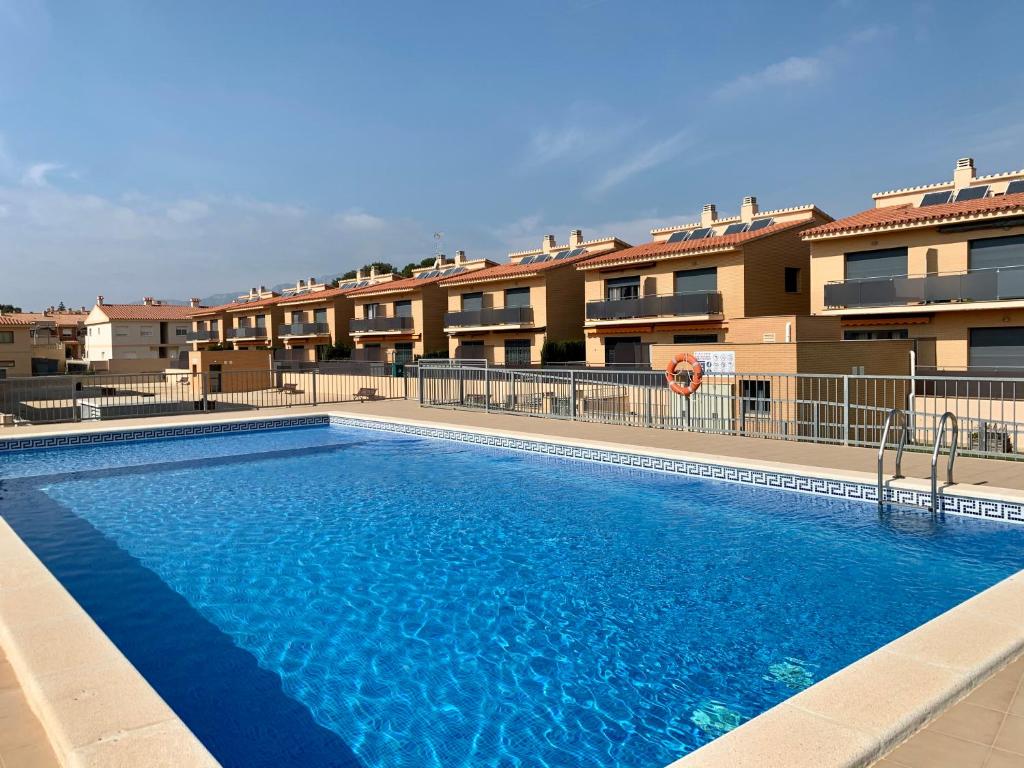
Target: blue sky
x=189, y=148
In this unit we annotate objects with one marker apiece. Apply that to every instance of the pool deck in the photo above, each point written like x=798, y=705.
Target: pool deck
x=950, y=693
x=23, y=742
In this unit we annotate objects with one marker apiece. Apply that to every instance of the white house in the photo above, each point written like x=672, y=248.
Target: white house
x=150, y=330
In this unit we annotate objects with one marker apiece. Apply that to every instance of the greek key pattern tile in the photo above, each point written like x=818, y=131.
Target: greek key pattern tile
x=69, y=439
x=989, y=509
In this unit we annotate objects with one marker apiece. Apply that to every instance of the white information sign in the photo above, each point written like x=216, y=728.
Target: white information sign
x=716, y=363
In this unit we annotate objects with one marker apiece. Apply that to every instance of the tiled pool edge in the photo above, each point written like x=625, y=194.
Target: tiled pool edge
x=860, y=713
x=990, y=504
x=96, y=709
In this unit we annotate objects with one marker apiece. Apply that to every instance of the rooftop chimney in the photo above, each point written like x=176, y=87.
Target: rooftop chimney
x=460, y=256
x=147, y=300
x=709, y=215
x=575, y=238
x=748, y=210
x=99, y=300
x=963, y=174
x=359, y=274
x=193, y=302
x=311, y=281
x=549, y=243
x=263, y=289
x=373, y=272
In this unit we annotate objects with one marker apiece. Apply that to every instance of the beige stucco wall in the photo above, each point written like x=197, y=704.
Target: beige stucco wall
x=16, y=356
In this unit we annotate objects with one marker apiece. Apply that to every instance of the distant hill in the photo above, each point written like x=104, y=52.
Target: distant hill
x=225, y=298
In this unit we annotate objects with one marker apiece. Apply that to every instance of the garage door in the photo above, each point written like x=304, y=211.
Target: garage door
x=996, y=348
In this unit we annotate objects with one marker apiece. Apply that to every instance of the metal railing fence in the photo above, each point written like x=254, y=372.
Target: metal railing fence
x=821, y=408
x=95, y=397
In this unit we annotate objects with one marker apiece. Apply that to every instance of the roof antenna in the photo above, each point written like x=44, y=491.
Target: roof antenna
x=438, y=248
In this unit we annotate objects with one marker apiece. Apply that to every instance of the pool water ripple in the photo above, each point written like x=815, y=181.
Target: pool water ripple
x=437, y=604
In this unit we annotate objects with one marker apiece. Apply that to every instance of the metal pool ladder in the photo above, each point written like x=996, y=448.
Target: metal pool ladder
x=940, y=432
x=889, y=420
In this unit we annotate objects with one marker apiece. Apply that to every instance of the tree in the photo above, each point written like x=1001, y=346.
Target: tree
x=408, y=268
x=5, y=308
x=382, y=268
x=61, y=307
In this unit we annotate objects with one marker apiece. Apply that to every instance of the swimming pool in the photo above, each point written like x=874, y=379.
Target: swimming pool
x=342, y=596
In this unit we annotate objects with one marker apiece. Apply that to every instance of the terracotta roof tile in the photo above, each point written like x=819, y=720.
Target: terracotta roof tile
x=510, y=271
x=900, y=215
x=147, y=311
x=15, y=318
x=685, y=248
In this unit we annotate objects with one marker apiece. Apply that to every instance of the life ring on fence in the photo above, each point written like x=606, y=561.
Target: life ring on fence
x=695, y=381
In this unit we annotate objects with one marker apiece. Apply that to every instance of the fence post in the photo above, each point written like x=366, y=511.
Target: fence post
x=487, y=388
x=572, y=394
x=206, y=402
x=75, y=415
x=314, y=387
x=846, y=410
x=419, y=381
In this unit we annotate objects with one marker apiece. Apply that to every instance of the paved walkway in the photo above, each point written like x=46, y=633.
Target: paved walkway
x=23, y=742
x=985, y=730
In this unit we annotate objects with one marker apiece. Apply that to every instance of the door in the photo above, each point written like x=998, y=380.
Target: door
x=625, y=350
x=215, y=375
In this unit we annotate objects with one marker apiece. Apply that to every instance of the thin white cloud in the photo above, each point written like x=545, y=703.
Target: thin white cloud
x=578, y=140
x=358, y=220
x=526, y=232
x=795, y=71
x=35, y=175
x=188, y=210
x=645, y=159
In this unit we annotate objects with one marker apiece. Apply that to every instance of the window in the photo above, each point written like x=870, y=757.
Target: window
x=886, y=262
x=121, y=331
x=996, y=348
x=371, y=311
x=6, y=337
x=6, y=363
x=146, y=330
x=628, y=350
x=757, y=396
x=994, y=252
x=888, y=333
x=179, y=331
x=320, y=315
x=792, y=280
x=697, y=280
x=403, y=308
x=213, y=326
x=619, y=288
x=261, y=321
x=517, y=352
x=403, y=352
x=472, y=302
x=298, y=317
x=696, y=338
x=65, y=333
x=517, y=297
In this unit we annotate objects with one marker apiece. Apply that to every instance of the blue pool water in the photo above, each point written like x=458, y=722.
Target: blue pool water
x=336, y=596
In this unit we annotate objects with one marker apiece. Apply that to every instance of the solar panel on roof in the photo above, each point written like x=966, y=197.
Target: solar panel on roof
x=562, y=254
x=527, y=260
x=700, y=233
x=735, y=229
x=678, y=237
x=936, y=198
x=543, y=257
x=759, y=224
x=1015, y=187
x=971, y=193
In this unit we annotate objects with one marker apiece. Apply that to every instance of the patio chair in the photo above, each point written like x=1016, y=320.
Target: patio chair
x=366, y=393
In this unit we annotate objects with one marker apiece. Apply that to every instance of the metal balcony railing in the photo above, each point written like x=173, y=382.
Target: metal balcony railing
x=379, y=324
x=996, y=284
x=247, y=332
x=490, y=316
x=662, y=305
x=203, y=336
x=304, y=329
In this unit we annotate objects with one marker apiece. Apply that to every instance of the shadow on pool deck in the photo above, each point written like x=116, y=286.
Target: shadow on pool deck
x=238, y=710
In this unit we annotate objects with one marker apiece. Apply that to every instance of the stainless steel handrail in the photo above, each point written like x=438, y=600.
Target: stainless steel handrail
x=899, y=450
x=940, y=432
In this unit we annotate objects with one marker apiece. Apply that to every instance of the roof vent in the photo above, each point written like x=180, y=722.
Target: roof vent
x=99, y=300
x=963, y=175
x=748, y=209
x=708, y=215
x=575, y=238
x=548, y=243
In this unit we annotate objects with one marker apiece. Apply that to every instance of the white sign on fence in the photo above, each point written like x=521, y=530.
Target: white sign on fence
x=716, y=363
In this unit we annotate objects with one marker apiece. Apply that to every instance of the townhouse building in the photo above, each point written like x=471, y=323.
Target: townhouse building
x=400, y=320
x=504, y=314
x=941, y=262
x=148, y=331
x=685, y=285
x=29, y=345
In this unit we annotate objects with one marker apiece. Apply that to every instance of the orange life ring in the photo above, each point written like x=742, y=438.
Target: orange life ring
x=695, y=381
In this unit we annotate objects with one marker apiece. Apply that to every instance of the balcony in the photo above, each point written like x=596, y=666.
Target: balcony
x=380, y=325
x=304, y=329
x=998, y=284
x=495, y=316
x=203, y=336
x=663, y=305
x=246, y=332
